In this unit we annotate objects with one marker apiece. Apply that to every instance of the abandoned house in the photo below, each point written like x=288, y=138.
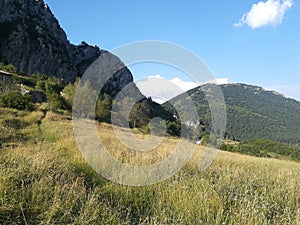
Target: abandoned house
x=6, y=80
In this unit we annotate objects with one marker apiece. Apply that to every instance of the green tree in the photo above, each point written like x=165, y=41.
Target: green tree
x=56, y=102
x=103, y=108
x=69, y=92
x=52, y=87
x=139, y=115
x=84, y=104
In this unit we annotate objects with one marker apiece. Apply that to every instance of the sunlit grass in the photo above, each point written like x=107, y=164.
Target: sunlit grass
x=122, y=151
x=47, y=181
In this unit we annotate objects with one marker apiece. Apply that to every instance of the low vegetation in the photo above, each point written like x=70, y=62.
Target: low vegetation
x=45, y=180
x=264, y=148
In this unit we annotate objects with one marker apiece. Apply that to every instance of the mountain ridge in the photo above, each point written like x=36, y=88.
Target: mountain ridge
x=252, y=112
x=32, y=39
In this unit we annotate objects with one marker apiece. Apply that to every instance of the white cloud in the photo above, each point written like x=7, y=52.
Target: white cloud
x=269, y=13
x=161, y=89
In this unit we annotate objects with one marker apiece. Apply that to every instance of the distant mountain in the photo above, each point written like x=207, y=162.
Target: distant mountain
x=252, y=113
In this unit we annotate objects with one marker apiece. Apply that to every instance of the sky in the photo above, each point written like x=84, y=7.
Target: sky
x=250, y=41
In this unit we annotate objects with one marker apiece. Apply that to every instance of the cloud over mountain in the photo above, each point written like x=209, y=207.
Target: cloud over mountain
x=161, y=89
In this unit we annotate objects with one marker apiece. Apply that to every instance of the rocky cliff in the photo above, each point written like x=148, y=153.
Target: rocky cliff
x=32, y=40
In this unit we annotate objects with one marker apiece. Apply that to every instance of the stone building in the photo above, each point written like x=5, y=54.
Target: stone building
x=6, y=80
x=38, y=97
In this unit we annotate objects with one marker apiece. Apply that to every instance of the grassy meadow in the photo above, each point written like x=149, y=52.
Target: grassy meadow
x=45, y=180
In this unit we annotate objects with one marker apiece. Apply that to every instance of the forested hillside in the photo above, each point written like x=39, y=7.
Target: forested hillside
x=252, y=113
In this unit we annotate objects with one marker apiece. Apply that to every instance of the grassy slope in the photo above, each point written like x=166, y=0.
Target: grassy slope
x=44, y=180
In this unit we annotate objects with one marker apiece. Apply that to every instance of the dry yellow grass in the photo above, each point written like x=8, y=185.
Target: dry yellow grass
x=49, y=182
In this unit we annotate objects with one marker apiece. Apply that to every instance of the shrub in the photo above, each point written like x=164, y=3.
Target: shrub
x=16, y=124
x=56, y=102
x=174, y=128
x=10, y=68
x=14, y=99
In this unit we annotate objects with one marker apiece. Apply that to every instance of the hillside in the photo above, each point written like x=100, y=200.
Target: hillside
x=45, y=180
x=252, y=113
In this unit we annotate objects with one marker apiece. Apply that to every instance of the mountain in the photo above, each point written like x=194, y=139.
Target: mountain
x=32, y=40
x=252, y=113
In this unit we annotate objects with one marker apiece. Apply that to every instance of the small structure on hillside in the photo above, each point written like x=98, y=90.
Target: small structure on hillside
x=6, y=80
x=38, y=96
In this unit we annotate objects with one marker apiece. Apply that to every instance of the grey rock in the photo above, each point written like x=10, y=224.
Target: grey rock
x=32, y=40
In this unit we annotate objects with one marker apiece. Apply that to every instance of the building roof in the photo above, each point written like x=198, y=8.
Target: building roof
x=2, y=72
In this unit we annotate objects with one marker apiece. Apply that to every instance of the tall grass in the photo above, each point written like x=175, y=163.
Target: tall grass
x=46, y=181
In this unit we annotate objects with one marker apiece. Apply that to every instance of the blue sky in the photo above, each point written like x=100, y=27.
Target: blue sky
x=262, y=47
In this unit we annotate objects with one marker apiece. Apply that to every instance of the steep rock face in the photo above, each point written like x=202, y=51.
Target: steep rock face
x=32, y=40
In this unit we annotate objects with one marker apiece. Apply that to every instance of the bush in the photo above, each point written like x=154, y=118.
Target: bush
x=174, y=128
x=40, y=85
x=10, y=68
x=39, y=76
x=56, y=102
x=14, y=99
x=16, y=124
